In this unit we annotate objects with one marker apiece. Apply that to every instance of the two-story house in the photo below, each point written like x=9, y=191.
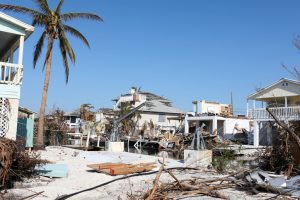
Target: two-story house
x=13, y=33
x=158, y=110
x=283, y=99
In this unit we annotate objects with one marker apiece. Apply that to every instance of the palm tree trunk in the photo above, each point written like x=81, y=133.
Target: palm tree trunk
x=40, y=134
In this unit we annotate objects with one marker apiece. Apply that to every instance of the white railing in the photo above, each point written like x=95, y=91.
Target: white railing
x=10, y=73
x=283, y=113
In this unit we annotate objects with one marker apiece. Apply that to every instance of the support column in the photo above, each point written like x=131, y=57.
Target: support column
x=186, y=125
x=253, y=104
x=247, y=108
x=21, y=50
x=20, y=60
x=285, y=102
x=256, y=134
x=215, y=125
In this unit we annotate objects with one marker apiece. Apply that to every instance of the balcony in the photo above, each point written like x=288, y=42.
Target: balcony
x=283, y=113
x=11, y=73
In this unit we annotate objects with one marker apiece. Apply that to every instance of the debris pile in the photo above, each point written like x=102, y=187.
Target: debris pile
x=283, y=157
x=15, y=162
x=253, y=182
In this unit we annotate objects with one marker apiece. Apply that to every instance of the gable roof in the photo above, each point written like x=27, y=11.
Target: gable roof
x=160, y=107
x=262, y=90
x=156, y=104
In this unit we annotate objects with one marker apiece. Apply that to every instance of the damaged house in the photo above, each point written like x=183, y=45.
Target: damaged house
x=13, y=33
x=283, y=99
x=157, y=116
x=217, y=120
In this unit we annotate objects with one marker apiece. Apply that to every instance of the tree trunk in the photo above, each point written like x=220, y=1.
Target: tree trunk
x=40, y=134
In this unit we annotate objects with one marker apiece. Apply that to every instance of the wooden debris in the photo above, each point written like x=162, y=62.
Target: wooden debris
x=115, y=169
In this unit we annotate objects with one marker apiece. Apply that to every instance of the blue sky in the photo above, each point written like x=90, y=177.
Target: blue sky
x=184, y=50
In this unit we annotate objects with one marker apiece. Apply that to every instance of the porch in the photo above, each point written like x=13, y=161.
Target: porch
x=283, y=113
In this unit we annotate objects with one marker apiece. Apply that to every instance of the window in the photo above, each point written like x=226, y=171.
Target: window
x=73, y=119
x=285, y=84
x=161, y=118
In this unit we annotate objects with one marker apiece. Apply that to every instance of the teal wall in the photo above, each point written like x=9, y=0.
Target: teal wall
x=25, y=130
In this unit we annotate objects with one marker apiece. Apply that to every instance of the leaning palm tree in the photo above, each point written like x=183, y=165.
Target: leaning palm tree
x=52, y=21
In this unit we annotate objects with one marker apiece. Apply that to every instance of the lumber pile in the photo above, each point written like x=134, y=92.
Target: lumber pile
x=115, y=169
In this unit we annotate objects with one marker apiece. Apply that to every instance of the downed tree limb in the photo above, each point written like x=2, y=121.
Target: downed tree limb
x=155, y=182
x=283, y=125
x=63, y=197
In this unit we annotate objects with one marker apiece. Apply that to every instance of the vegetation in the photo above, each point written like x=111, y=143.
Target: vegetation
x=53, y=23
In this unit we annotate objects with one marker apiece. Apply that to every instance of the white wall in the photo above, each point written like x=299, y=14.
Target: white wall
x=155, y=116
x=230, y=123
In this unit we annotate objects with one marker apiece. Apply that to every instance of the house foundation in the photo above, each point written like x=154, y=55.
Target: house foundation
x=114, y=147
x=194, y=158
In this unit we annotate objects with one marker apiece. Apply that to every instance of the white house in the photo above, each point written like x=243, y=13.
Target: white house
x=157, y=110
x=13, y=33
x=283, y=99
x=72, y=119
x=217, y=118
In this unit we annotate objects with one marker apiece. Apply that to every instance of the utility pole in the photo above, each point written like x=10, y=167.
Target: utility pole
x=231, y=102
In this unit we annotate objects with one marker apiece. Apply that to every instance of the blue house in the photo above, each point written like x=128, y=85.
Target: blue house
x=13, y=33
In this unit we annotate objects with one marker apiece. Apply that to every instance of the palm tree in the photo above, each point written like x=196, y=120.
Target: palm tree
x=52, y=21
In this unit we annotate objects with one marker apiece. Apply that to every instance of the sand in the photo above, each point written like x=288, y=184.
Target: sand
x=81, y=177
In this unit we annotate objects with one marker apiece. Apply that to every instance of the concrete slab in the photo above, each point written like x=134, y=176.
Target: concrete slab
x=114, y=146
x=194, y=158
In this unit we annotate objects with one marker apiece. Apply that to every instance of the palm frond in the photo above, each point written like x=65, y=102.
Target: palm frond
x=39, y=20
x=38, y=48
x=58, y=8
x=64, y=40
x=65, y=59
x=76, y=33
x=70, y=16
x=43, y=5
x=19, y=9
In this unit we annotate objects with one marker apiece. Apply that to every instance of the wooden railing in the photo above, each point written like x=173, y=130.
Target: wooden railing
x=283, y=113
x=10, y=73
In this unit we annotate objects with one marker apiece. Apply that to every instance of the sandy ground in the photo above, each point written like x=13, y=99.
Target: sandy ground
x=80, y=177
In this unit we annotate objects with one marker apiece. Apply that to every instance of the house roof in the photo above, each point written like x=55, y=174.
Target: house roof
x=262, y=90
x=160, y=107
x=156, y=103
x=26, y=110
x=75, y=113
x=29, y=29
